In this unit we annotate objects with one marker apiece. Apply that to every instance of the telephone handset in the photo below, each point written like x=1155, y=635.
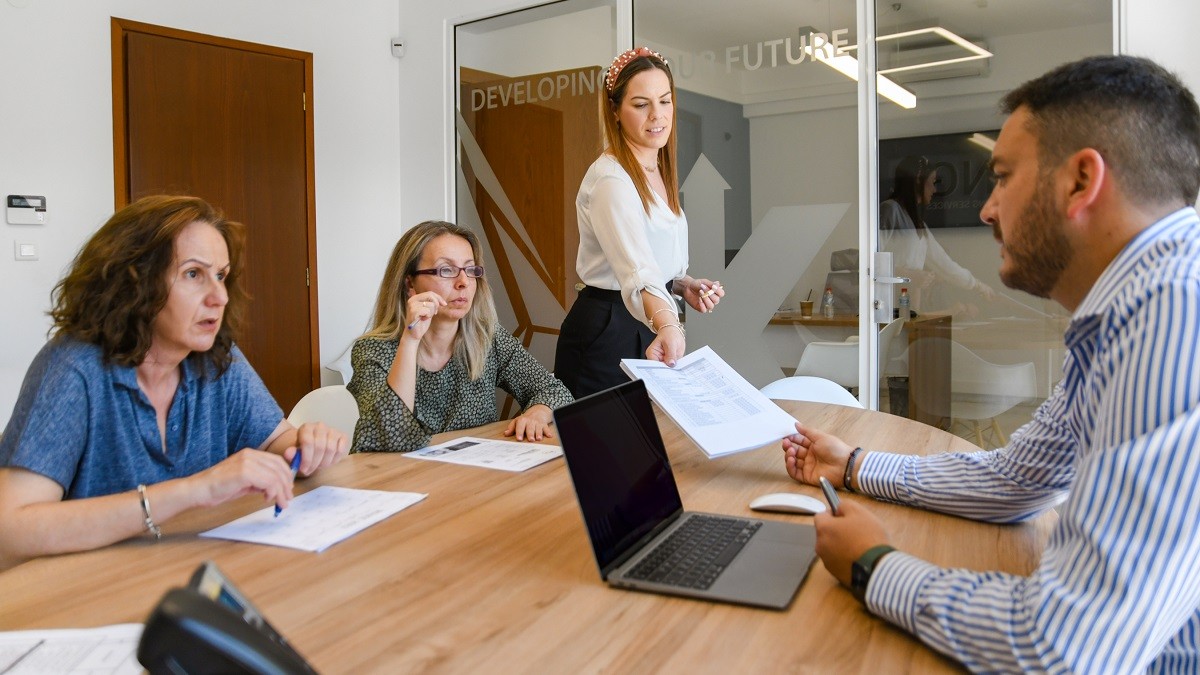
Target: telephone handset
x=210, y=627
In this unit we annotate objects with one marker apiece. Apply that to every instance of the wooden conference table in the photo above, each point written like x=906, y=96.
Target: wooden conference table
x=493, y=572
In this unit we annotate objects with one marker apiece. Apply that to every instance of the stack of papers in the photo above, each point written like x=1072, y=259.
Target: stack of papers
x=717, y=408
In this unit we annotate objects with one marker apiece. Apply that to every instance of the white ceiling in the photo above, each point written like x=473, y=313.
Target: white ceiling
x=708, y=24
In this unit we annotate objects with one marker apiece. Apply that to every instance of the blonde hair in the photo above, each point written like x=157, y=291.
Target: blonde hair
x=610, y=104
x=475, y=330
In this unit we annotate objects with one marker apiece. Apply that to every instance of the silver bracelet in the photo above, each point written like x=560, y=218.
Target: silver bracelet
x=150, y=526
x=675, y=325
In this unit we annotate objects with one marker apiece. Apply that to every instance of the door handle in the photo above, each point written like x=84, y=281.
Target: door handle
x=892, y=280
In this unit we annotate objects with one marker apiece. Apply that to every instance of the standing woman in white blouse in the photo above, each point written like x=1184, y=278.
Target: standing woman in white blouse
x=633, y=247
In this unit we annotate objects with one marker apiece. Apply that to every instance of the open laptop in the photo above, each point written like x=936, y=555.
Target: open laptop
x=632, y=509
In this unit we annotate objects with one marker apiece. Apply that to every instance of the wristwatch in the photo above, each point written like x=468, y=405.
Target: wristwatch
x=860, y=571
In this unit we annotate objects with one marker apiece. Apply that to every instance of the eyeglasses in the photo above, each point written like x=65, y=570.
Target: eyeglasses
x=451, y=272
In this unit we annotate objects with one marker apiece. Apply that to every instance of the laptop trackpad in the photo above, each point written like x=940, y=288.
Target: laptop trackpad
x=768, y=571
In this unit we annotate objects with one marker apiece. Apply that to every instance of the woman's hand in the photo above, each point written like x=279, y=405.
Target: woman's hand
x=811, y=453
x=420, y=310
x=242, y=473
x=703, y=295
x=986, y=291
x=668, y=346
x=532, y=425
x=321, y=446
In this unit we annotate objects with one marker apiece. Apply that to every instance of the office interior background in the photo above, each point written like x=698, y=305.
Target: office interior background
x=770, y=157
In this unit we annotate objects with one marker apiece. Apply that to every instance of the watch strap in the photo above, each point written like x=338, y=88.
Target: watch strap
x=860, y=573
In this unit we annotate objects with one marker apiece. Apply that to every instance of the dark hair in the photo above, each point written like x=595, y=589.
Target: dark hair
x=118, y=282
x=1136, y=114
x=908, y=188
x=610, y=104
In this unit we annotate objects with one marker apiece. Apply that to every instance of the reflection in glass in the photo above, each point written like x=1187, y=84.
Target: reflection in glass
x=934, y=230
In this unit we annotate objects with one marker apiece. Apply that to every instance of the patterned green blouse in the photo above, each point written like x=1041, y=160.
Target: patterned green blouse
x=445, y=400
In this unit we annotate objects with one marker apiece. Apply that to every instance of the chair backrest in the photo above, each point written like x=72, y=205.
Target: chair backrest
x=806, y=388
x=838, y=361
x=979, y=389
x=332, y=404
x=341, y=365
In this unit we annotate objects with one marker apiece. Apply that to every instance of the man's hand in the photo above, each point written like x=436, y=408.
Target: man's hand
x=843, y=538
x=810, y=453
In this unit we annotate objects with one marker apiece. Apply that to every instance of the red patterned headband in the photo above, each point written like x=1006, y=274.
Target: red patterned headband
x=622, y=60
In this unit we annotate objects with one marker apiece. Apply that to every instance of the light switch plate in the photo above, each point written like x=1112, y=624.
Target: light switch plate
x=24, y=250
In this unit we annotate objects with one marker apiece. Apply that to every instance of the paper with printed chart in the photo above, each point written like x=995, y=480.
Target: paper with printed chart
x=489, y=453
x=717, y=408
x=317, y=519
x=107, y=650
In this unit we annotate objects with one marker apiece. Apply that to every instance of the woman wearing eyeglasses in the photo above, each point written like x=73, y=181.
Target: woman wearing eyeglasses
x=435, y=354
x=903, y=232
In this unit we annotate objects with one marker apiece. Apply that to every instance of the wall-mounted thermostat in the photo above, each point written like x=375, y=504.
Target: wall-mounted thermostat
x=27, y=210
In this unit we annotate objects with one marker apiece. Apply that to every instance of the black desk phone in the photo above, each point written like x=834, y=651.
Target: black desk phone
x=210, y=627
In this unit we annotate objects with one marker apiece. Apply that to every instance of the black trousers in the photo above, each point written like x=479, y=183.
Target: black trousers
x=597, y=333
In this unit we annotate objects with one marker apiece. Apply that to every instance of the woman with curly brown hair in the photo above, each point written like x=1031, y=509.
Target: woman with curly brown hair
x=140, y=397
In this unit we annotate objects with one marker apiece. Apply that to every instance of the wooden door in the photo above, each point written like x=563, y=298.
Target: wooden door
x=231, y=122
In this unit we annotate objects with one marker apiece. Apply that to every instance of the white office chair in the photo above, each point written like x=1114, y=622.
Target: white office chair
x=808, y=388
x=332, y=404
x=982, y=391
x=838, y=361
x=341, y=365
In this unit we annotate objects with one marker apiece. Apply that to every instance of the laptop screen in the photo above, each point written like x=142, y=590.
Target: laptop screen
x=616, y=459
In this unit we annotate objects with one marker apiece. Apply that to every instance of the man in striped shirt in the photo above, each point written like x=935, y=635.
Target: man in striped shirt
x=1096, y=170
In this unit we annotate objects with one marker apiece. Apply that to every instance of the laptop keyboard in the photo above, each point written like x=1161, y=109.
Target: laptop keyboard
x=696, y=553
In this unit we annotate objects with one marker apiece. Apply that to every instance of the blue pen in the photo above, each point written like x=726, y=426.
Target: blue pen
x=295, y=468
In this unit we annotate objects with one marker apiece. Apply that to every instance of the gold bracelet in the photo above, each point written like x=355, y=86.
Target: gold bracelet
x=675, y=325
x=655, y=313
x=150, y=526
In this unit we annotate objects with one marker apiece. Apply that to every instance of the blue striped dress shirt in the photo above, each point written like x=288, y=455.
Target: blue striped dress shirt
x=1118, y=586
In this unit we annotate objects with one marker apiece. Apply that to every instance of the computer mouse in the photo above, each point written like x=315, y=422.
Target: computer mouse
x=788, y=502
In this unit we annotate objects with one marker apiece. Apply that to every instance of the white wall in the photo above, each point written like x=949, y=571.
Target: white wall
x=56, y=119
x=379, y=130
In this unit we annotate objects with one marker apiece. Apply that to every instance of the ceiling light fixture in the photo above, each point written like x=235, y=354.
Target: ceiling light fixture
x=848, y=66
x=986, y=142
x=974, y=51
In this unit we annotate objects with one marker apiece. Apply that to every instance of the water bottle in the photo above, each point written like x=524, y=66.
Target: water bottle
x=904, y=313
x=827, y=303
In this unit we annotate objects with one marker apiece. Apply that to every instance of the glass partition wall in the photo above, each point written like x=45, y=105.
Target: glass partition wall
x=774, y=175
x=1005, y=348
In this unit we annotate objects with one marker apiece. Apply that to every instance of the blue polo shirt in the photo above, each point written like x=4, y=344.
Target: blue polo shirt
x=87, y=426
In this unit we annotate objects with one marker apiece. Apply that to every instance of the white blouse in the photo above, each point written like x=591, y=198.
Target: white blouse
x=913, y=250
x=620, y=246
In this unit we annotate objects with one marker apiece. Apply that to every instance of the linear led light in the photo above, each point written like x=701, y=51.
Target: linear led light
x=975, y=52
x=848, y=66
x=986, y=142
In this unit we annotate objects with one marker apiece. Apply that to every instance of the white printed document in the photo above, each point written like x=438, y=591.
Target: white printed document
x=717, y=408
x=316, y=520
x=108, y=650
x=489, y=453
